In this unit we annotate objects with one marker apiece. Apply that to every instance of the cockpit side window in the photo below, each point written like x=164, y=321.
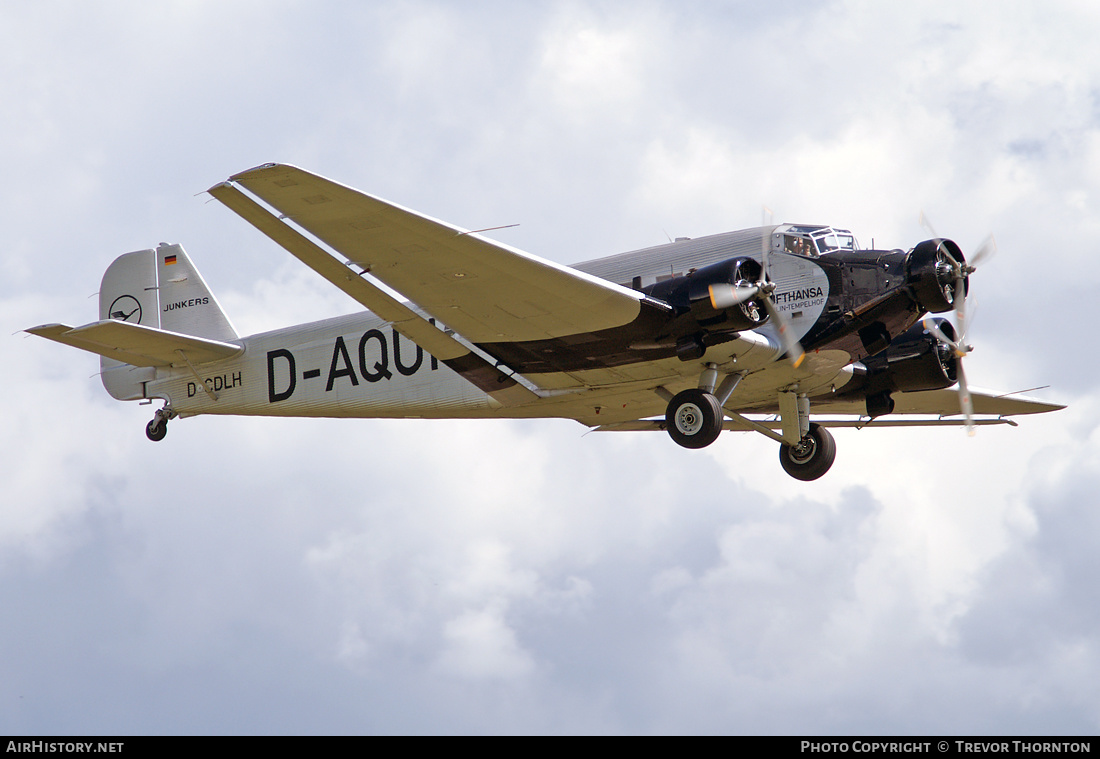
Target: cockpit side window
x=799, y=246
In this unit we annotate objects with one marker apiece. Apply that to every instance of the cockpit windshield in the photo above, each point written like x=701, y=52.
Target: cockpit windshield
x=817, y=241
x=835, y=239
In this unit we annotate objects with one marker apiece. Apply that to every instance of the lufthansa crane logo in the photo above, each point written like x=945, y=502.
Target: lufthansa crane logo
x=125, y=308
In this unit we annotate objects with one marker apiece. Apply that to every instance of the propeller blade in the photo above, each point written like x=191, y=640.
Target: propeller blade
x=924, y=222
x=941, y=250
x=765, y=246
x=727, y=296
x=986, y=250
x=790, y=343
x=960, y=307
x=966, y=404
x=938, y=333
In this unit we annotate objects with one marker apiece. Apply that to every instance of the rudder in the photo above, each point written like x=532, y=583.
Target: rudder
x=186, y=304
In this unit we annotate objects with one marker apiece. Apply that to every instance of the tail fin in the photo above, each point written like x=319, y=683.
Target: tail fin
x=162, y=289
x=186, y=304
x=157, y=288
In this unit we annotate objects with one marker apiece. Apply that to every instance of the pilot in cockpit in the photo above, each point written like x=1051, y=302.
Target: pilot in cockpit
x=799, y=246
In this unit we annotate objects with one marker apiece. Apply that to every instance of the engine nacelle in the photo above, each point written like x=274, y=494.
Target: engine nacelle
x=914, y=360
x=930, y=275
x=690, y=294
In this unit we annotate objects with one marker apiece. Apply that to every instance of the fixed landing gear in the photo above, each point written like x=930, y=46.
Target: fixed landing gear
x=694, y=418
x=158, y=428
x=811, y=457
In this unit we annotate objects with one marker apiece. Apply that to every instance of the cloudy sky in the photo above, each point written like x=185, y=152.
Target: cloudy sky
x=316, y=576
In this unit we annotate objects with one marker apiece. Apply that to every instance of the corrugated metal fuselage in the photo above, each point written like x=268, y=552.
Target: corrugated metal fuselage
x=843, y=306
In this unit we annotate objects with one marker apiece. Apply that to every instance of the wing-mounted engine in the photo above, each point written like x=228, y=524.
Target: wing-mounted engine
x=931, y=274
x=701, y=318
x=915, y=360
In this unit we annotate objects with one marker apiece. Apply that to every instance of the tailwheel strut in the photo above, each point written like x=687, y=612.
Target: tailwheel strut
x=158, y=427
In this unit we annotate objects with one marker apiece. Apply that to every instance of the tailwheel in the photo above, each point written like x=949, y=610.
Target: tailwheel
x=810, y=458
x=158, y=428
x=694, y=418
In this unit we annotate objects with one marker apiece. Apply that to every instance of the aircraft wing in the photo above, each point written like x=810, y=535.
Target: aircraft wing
x=991, y=408
x=946, y=403
x=485, y=291
x=136, y=344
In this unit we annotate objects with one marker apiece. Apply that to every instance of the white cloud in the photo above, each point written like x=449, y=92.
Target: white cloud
x=594, y=72
x=480, y=645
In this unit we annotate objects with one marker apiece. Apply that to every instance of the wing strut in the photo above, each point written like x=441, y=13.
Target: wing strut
x=455, y=355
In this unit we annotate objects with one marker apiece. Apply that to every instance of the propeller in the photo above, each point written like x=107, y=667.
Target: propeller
x=959, y=271
x=724, y=296
x=961, y=349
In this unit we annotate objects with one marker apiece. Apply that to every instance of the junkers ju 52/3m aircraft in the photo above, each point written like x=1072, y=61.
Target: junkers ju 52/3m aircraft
x=687, y=337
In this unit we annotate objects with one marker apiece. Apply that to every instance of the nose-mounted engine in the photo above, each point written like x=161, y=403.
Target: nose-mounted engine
x=931, y=274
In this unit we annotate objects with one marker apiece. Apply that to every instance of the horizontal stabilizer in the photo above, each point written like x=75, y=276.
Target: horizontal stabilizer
x=138, y=345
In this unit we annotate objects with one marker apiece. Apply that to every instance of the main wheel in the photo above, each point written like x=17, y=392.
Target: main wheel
x=810, y=458
x=156, y=430
x=694, y=418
